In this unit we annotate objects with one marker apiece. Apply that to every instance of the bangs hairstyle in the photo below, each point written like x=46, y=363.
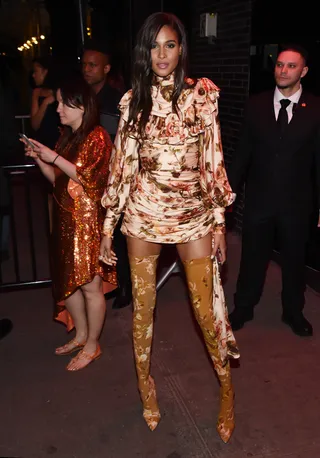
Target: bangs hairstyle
x=142, y=74
x=76, y=93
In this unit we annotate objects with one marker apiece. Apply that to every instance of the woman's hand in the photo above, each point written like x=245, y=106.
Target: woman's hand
x=29, y=151
x=107, y=255
x=41, y=151
x=219, y=247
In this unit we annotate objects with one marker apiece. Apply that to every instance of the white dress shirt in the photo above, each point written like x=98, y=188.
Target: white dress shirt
x=293, y=99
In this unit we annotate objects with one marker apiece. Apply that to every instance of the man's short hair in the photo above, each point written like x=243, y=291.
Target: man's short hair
x=295, y=48
x=97, y=46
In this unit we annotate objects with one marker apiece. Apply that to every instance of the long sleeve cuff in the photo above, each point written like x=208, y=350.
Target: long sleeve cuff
x=219, y=224
x=109, y=225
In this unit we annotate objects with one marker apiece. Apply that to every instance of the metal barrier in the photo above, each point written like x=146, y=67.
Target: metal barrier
x=24, y=229
x=24, y=123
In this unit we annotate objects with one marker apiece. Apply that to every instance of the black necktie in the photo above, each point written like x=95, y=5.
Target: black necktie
x=282, y=120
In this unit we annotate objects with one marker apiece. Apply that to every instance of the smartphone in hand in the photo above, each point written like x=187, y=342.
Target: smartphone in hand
x=24, y=137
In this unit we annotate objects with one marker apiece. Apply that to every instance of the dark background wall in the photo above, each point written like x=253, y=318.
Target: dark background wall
x=238, y=61
x=227, y=63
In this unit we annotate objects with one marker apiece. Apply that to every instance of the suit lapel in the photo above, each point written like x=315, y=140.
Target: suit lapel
x=299, y=113
x=270, y=119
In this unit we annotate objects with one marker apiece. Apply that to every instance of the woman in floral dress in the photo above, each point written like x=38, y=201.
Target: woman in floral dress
x=167, y=176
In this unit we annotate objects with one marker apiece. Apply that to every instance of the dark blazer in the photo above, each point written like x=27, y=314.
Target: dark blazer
x=108, y=100
x=280, y=173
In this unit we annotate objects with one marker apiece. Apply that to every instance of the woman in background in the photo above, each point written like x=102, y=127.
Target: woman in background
x=78, y=170
x=44, y=118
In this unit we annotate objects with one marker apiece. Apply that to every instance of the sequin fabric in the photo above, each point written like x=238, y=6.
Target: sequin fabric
x=77, y=223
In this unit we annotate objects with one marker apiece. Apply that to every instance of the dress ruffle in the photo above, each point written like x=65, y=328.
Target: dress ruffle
x=196, y=105
x=172, y=184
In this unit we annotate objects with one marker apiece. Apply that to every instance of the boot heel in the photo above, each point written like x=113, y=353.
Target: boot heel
x=151, y=412
x=225, y=424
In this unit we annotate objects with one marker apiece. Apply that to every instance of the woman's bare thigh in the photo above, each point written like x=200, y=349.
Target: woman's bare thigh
x=141, y=248
x=195, y=249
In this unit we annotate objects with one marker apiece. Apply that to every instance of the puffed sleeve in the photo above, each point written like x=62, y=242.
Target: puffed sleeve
x=213, y=176
x=124, y=166
x=93, y=164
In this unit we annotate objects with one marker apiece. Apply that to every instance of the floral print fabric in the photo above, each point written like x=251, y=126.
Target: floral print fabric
x=208, y=301
x=173, y=186
x=143, y=277
x=206, y=307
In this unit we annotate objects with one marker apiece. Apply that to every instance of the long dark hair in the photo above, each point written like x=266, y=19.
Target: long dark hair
x=142, y=74
x=51, y=79
x=76, y=93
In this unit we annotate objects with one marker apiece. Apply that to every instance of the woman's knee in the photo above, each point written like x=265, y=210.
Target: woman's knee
x=93, y=288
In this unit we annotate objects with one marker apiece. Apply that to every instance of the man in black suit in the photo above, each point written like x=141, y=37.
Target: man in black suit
x=96, y=66
x=279, y=157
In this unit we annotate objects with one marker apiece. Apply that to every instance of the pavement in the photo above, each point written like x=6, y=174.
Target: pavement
x=96, y=413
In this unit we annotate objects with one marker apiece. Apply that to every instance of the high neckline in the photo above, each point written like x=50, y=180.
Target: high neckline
x=163, y=80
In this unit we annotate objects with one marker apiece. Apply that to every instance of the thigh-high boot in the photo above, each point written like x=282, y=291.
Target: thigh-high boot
x=199, y=273
x=143, y=277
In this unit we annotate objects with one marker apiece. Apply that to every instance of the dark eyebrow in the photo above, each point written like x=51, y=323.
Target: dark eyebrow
x=169, y=41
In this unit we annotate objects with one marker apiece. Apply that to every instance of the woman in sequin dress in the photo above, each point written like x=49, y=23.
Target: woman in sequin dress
x=167, y=175
x=78, y=170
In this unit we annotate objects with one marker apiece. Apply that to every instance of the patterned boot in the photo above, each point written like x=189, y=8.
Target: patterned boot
x=143, y=277
x=199, y=273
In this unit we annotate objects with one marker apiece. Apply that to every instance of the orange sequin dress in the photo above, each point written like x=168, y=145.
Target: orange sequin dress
x=77, y=223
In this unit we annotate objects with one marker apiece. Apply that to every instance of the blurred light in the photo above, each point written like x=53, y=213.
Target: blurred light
x=33, y=39
x=42, y=37
x=36, y=42
x=29, y=42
